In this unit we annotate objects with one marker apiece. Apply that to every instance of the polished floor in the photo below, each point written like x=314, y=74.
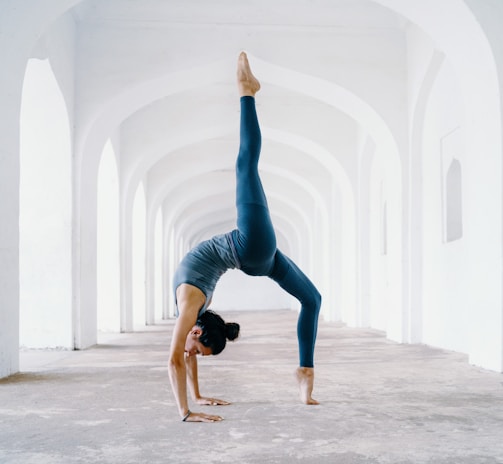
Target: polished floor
x=381, y=402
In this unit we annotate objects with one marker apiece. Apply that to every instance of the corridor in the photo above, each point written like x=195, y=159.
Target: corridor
x=381, y=402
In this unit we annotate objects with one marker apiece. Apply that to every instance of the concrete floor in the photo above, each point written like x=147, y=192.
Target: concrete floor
x=381, y=402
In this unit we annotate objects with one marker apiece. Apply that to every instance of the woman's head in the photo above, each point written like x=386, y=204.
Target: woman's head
x=215, y=331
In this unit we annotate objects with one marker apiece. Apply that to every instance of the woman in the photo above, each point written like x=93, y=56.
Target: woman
x=252, y=248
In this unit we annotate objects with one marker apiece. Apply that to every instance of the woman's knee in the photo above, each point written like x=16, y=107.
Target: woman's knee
x=247, y=162
x=314, y=300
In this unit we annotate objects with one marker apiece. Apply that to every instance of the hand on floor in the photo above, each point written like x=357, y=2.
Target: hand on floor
x=211, y=401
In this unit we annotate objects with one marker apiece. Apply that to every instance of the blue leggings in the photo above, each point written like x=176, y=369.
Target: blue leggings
x=255, y=239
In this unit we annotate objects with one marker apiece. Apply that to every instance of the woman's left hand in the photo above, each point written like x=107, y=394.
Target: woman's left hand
x=211, y=401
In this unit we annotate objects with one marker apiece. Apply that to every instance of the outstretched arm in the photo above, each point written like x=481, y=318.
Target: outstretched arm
x=189, y=299
x=191, y=365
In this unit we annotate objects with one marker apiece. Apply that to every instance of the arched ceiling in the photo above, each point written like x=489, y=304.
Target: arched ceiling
x=163, y=74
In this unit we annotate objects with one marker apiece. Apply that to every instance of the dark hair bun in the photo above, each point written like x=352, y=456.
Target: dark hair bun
x=216, y=332
x=231, y=330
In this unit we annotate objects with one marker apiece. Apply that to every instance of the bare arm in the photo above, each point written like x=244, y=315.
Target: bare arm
x=176, y=365
x=189, y=299
x=191, y=366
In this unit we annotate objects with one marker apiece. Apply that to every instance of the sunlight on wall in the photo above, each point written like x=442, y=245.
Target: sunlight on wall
x=45, y=212
x=108, y=243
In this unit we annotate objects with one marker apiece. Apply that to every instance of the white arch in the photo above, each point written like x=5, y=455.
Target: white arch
x=20, y=31
x=131, y=100
x=288, y=227
x=438, y=25
x=191, y=222
x=467, y=48
x=189, y=192
x=330, y=217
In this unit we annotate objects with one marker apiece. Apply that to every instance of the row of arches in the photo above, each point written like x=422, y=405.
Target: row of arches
x=108, y=201
x=102, y=223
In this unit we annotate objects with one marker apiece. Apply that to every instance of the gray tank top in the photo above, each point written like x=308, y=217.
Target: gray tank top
x=205, y=264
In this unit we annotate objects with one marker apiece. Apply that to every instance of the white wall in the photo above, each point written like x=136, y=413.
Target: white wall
x=361, y=73
x=446, y=274
x=21, y=27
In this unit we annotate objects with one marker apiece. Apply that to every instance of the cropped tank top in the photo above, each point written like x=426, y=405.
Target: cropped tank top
x=203, y=266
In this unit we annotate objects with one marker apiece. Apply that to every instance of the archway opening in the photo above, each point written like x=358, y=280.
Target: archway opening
x=45, y=212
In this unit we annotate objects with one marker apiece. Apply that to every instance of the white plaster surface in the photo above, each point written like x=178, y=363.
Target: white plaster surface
x=356, y=100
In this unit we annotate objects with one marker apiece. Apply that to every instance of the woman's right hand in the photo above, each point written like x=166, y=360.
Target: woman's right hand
x=211, y=401
x=202, y=417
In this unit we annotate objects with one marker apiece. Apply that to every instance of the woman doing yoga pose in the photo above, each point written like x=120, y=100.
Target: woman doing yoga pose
x=252, y=249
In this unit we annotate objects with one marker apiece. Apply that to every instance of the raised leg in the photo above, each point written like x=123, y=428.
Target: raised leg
x=248, y=84
x=255, y=238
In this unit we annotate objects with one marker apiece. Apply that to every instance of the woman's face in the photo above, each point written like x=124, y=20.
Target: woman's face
x=193, y=346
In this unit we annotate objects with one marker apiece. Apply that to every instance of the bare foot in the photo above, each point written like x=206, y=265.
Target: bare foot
x=305, y=377
x=248, y=85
